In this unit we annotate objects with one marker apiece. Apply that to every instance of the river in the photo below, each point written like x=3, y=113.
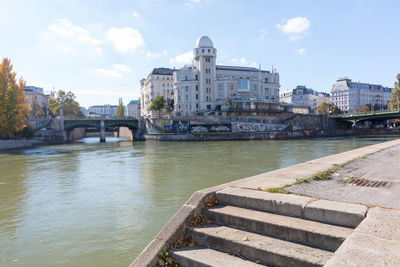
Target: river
x=99, y=204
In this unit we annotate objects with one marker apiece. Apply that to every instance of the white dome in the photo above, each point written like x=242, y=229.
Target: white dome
x=204, y=41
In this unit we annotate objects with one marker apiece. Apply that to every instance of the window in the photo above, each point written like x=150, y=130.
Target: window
x=266, y=80
x=255, y=87
x=220, y=96
x=202, y=50
x=254, y=96
x=197, y=88
x=179, y=98
x=243, y=85
x=266, y=90
x=208, y=50
x=208, y=59
x=197, y=96
x=196, y=77
x=209, y=107
x=197, y=106
x=186, y=78
x=186, y=97
x=187, y=88
x=220, y=86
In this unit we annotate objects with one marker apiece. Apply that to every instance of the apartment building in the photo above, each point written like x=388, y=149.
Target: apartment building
x=349, y=95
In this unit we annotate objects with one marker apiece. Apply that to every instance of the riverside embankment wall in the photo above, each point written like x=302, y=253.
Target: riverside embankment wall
x=177, y=226
x=16, y=144
x=276, y=135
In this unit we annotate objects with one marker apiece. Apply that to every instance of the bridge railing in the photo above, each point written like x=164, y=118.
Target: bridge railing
x=375, y=112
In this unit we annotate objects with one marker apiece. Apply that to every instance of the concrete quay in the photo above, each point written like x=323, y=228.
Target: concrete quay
x=247, y=226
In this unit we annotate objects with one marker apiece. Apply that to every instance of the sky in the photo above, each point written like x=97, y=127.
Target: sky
x=100, y=50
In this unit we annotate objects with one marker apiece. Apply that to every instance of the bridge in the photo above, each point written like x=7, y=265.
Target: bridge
x=101, y=124
x=368, y=116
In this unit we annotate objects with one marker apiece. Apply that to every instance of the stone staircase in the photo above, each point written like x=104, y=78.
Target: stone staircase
x=255, y=228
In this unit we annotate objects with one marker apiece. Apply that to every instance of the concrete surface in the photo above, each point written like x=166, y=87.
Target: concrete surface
x=380, y=166
x=375, y=242
x=333, y=212
x=254, y=247
x=290, y=205
x=324, y=236
x=205, y=257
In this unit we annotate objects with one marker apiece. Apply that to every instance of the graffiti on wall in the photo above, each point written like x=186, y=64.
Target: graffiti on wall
x=209, y=128
x=256, y=127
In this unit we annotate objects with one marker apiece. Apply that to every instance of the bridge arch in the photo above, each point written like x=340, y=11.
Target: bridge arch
x=101, y=124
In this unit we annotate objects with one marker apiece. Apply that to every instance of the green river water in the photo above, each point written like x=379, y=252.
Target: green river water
x=99, y=204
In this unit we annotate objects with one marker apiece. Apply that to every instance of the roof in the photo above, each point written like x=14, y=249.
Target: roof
x=133, y=102
x=163, y=71
x=237, y=68
x=204, y=41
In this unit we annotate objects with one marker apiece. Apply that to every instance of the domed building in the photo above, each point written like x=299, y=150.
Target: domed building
x=204, y=86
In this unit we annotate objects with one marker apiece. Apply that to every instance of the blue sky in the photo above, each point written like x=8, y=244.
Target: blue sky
x=101, y=49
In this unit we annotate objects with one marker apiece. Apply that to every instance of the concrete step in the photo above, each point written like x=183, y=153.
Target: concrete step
x=325, y=211
x=256, y=247
x=206, y=257
x=285, y=204
x=320, y=235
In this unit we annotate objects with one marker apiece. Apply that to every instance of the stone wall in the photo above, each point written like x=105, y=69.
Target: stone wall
x=15, y=144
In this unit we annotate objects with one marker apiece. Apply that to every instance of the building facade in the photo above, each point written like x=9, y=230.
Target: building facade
x=303, y=96
x=206, y=86
x=158, y=83
x=349, y=95
x=133, y=109
x=103, y=110
x=36, y=94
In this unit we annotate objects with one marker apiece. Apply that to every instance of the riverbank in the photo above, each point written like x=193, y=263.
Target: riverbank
x=356, y=249
x=270, y=135
x=19, y=144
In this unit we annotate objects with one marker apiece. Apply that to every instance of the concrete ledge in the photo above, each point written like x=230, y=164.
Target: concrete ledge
x=333, y=212
x=375, y=242
x=290, y=205
x=179, y=222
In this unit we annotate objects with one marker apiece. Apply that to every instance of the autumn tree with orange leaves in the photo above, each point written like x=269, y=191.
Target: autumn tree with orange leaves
x=13, y=109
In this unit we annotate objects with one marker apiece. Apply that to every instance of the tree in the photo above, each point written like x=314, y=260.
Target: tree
x=158, y=104
x=70, y=106
x=394, y=104
x=328, y=108
x=363, y=109
x=35, y=108
x=120, y=109
x=13, y=108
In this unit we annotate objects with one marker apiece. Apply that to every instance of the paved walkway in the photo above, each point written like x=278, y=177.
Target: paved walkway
x=380, y=166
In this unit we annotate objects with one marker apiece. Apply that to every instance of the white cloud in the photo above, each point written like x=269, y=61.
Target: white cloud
x=262, y=33
x=137, y=15
x=63, y=31
x=125, y=39
x=243, y=62
x=191, y=2
x=116, y=71
x=296, y=27
x=185, y=58
x=301, y=51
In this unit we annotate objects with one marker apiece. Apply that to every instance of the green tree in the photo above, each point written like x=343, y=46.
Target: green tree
x=13, y=108
x=328, y=108
x=70, y=105
x=120, y=109
x=158, y=104
x=394, y=104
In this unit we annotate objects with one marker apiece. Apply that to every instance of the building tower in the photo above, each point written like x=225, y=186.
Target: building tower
x=205, y=61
